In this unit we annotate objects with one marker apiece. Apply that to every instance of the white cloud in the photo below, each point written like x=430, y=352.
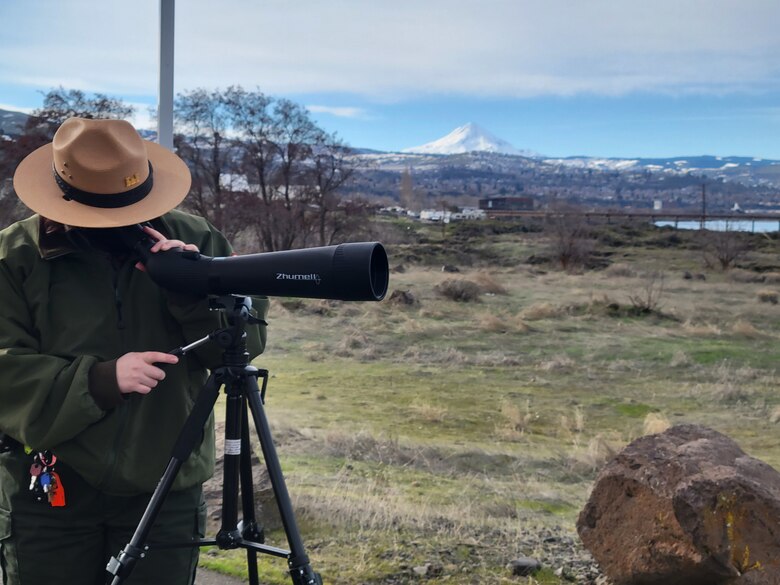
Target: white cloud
x=92, y=46
x=339, y=111
x=404, y=48
x=143, y=118
x=496, y=47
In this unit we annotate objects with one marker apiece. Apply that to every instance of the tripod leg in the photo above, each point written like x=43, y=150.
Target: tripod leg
x=122, y=565
x=228, y=536
x=249, y=528
x=298, y=562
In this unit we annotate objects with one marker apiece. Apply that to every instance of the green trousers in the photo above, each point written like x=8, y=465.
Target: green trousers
x=41, y=545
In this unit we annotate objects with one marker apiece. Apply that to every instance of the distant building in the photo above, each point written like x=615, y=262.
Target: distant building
x=507, y=204
x=470, y=213
x=438, y=216
x=434, y=215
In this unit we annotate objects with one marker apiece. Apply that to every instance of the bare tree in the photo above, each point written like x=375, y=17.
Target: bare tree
x=569, y=236
x=331, y=169
x=203, y=125
x=59, y=104
x=267, y=167
x=261, y=164
x=294, y=136
x=723, y=248
x=293, y=168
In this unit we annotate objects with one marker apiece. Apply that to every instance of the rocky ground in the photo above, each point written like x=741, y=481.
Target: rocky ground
x=565, y=556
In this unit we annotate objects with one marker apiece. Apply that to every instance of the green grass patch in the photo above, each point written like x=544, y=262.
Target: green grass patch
x=635, y=410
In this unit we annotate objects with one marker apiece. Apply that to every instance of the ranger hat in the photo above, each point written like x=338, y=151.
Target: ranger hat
x=101, y=174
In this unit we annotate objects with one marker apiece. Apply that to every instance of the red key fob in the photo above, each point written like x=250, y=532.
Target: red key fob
x=57, y=493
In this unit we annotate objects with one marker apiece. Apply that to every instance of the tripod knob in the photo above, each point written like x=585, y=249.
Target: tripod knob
x=305, y=575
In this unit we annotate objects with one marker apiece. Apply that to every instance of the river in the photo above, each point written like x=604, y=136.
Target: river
x=722, y=225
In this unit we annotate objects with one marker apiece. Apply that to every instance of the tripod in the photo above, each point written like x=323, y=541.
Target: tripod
x=243, y=397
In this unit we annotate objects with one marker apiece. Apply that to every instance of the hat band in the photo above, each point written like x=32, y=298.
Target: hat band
x=105, y=200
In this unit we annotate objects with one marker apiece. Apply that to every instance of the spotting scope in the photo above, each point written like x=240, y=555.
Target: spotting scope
x=347, y=272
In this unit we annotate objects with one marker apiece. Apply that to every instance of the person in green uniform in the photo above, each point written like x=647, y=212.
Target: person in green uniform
x=91, y=403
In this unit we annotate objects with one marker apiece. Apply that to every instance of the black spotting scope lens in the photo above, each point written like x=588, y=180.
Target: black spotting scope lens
x=380, y=273
x=348, y=272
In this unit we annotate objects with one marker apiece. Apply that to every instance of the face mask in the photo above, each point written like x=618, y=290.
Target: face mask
x=103, y=239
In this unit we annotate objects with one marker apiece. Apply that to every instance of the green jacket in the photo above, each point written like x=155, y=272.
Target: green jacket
x=65, y=308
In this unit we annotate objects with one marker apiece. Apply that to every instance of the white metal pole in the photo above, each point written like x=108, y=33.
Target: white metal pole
x=165, y=94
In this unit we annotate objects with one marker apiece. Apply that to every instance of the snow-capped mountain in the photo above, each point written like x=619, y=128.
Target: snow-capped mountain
x=468, y=138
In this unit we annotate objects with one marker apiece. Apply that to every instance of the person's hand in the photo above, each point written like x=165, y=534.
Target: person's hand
x=163, y=244
x=137, y=372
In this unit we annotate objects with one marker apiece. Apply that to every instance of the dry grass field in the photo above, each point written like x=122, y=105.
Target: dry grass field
x=436, y=441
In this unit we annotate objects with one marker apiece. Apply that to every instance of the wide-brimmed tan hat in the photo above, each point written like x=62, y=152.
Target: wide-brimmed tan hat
x=101, y=173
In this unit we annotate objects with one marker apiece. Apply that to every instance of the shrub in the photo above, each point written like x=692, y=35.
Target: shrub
x=403, y=298
x=489, y=284
x=619, y=270
x=539, y=311
x=746, y=329
x=772, y=277
x=655, y=423
x=494, y=323
x=571, y=243
x=648, y=298
x=701, y=329
x=501, y=323
x=680, y=358
x=588, y=460
x=460, y=290
x=363, y=446
x=558, y=362
x=517, y=420
x=723, y=249
x=745, y=276
x=768, y=296
x=430, y=412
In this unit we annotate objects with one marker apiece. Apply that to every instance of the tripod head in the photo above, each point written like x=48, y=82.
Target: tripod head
x=232, y=338
x=237, y=308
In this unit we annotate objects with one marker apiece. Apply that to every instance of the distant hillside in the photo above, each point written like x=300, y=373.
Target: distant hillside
x=470, y=163
x=483, y=166
x=594, y=182
x=12, y=123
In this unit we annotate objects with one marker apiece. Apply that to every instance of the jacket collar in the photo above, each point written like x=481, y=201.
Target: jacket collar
x=53, y=239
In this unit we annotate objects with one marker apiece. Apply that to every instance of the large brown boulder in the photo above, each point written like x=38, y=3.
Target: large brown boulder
x=685, y=507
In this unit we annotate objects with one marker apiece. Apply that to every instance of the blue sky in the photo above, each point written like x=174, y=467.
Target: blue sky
x=560, y=77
